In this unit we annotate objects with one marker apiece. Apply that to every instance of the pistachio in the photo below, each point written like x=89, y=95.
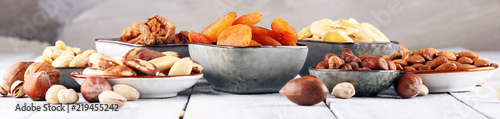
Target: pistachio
x=4, y=88
x=110, y=98
x=17, y=89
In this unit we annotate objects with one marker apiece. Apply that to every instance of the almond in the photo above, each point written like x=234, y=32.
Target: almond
x=446, y=66
x=401, y=62
x=456, y=63
x=399, y=67
x=395, y=56
x=364, y=69
x=469, y=54
x=417, y=66
x=414, y=59
x=391, y=65
x=402, y=49
x=429, y=53
x=450, y=55
x=438, y=61
x=481, y=63
x=406, y=55
x=466, y=66
x=409, y=68
x=425, y=67
x=385, y=57
x=465, y=60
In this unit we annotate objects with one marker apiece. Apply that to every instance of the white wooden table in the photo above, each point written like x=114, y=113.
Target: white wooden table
x=202, y=102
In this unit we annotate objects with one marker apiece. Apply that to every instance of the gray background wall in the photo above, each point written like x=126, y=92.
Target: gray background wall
x=30, y=25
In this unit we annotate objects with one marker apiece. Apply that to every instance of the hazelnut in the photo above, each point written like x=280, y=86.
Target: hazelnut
x=67, y=96
x=93, y=86
x=400, y=62
x=321, y=65
x=346, y=67
x=481, y=63
x=327, y=56
x=469, y=54
x=36, y=85
x=449, y=55
x=375, y=63
x=126, y=91
x=446, y=66
x=408, y=85
x=17, y=89
x=110, y=98
x=4, y=88
x=396, y=56
x=423, y=90
x=343, y=90
x=307, y=90
x=345, y=53
x=41, y=66
x=438, y=61
x=52, y=94
x=465, y=60
x=335, y=62
x=414, y=59
x=16, y=72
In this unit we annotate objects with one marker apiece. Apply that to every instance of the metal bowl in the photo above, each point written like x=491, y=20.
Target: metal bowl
x=318, y=50
x=262, y=69
x=114, y=48
x=366, y=83
x=65, y=78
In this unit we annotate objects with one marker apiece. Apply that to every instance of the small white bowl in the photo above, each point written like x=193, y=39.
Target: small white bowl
x=149, y=86
x=457, y=80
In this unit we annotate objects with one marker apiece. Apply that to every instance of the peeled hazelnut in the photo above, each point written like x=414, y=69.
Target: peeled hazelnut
x=126, y=91
x=67, y=96
x=16, y=72
x=17, y=89
x=52, y=94
x=321, y=65
x=110, y=98
x=469, y=54
x=335, y=62
x=449, y=55
x=327, y=56
x=438, y=61
x=408, y=85
x=414, y=59
x=423, y=91
x=92, y=87
x=481, y=63
x=4, y=88
x=36, y=85
x=41, y=66
x=375, y=63
x=343, y=90
x=465, y=60
x=307, y=90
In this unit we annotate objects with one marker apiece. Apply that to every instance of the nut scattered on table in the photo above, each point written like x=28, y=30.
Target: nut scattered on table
x=42, y=66
x=93, y=86
x=126, y=91
x=36, y=85
x=408, y=85
x=67, y=96
x=423, y=91
x=16, y=72
x=343, y=90
x=52, y=94
x=110, y=98
x=4, y=88
x=17, y=89
x=307, y=90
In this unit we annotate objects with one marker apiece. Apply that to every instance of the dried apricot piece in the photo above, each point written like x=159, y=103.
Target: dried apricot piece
x=249, y=19
x=198, y=38
x=254, y=43
x=257, y=30
x=236, y=35
x=213, y=30
x=285, y=30
x=286, y=42
x=265, y=40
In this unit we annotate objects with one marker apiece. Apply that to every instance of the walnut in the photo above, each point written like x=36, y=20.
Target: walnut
x=42, y=66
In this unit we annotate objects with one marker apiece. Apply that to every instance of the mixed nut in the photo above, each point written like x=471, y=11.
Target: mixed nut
x=62, y=55
x=348, y=61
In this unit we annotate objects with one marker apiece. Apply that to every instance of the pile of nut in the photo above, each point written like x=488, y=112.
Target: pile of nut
x=98, y=89
x=24, y=77
x=61, y=55
x=432, y=59
x=348, y=61
x=142, y=62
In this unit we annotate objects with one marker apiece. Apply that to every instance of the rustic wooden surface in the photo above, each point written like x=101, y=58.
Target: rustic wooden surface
x=202, y=102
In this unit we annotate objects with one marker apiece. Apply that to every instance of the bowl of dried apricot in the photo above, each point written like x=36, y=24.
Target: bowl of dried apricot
x=446, y=71
x=247, y=58
x=327, y=36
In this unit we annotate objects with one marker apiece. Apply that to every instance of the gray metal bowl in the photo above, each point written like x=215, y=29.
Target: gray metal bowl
x=65, y=78
x=366, y=83
x=263, y=69
x=318, y=50
x=114, y=48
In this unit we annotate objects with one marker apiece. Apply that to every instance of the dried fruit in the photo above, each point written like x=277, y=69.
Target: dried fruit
x=213, y=30
x=36, y=85
x=408, y=85
x=343, y=90
x=237, y=35
x=307, y=90
x=363, y=57
x=199, y=38
x=92, y=87
x=257, y=30
x=285, y=30
x=249, y=19
x=322, y=65
x=265, y=40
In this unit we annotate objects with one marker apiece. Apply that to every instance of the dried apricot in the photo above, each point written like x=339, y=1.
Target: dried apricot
x=265, y=40
x=254, y=43
x=198, y=38
x=213, y=30
x=285, y=30
x=286, y=42
x=236, y=35
x=249, y=19
x=257, y=30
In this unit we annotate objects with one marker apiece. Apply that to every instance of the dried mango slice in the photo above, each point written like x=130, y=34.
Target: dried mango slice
x=285, y=30
x=265, y=40
x=198, y=38
x=236, y=35
x=254, y=43
x=284, y=42
x=213, y=30
x=257, y=30
x=249, y=19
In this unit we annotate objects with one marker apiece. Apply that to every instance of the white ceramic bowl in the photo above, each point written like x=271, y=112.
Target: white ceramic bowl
x=149, y=86
x=456, y=80
x=114, y=48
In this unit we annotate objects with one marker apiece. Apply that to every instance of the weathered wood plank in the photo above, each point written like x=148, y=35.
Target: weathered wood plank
x=205, y=103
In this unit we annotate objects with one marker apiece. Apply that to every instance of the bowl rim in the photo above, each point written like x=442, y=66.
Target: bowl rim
x=492, y=66
x=77, y=74
x=338, y=70
x=115, y=41
x=313, y=41
x=299, y=46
